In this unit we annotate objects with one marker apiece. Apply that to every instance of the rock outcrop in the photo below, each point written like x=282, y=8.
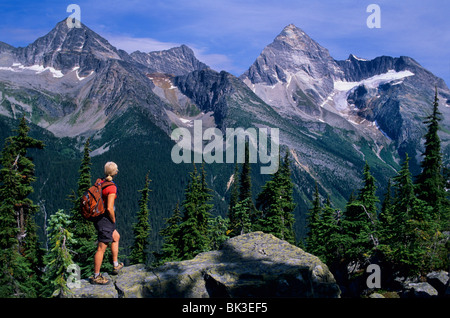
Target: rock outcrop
x=250, y=265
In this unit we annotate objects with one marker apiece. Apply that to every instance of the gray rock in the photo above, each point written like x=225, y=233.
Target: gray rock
x=250, y=265
x=88, y=290
x=420, y=290
x=439, y=280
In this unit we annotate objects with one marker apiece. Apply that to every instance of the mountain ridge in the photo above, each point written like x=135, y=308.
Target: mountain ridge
x=333, y=116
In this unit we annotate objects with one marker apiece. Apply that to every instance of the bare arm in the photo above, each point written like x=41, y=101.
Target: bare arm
x=110, y=207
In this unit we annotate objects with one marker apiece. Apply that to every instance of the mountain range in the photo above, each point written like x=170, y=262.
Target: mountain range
x=333, y=115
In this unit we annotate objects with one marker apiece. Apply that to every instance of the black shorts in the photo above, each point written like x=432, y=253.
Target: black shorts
x=105, y=228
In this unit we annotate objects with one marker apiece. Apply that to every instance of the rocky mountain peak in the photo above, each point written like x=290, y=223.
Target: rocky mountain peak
x=64, y=48
x=176, y=61
x=292, y=52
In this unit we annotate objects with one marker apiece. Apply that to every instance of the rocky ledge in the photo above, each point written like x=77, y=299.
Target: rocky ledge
x=250, y=265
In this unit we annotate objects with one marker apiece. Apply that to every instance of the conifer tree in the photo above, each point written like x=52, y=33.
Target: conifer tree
x=242, y=222
x=411, y=223
x=217, y=231
x=359, y=225
x=430, y=182
x=234, y=199
x=84, y=246
x=59, y=257
x=386, y=217
x=329, y=247
x=277, y=204
x=19, y=252
x=194, y=236
x=141, y=229
x=312, y=239
x=171, y=249
x=367, y=195
x=245, y=188
x=244, y=216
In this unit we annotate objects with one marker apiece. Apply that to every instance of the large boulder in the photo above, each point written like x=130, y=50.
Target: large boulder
x=87, y=290
x=250, y=265
x=420, y=290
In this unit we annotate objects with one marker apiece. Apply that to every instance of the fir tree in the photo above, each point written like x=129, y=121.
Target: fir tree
x=84, y=246
x=386, y=217
x=19, y=252
x=217, y=231
x=141, y=229
x=411, y=225
x=430, y=182
x=171, y=249
x=328, y=236
x=194, y=236
x=242, y=222
x=312, y=239
x=367, y=195
x=59, y=257
x=243, y=214
x=234, y=199
x=359, y=225
x=277, y=204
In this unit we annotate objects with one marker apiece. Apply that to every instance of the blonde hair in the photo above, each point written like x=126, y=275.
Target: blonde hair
x=111, y=170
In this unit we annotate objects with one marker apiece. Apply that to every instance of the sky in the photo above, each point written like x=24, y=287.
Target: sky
x=230, y=34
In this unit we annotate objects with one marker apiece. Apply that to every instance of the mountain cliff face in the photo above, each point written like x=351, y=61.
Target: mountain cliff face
x=332, y=115
x=176, y=61
x=384, y=99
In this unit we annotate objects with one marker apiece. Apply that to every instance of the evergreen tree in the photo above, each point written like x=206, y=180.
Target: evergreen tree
x=84, y=246
x=430, y=182
x=217, y=231
x=242, y=222
x=242, y=212
x=234, y=199
x=312, y=239
x=59, y=257
x=141, y=229
x=277, y=204
x=171, y=249
x=367, y=195
x=411, y=224
x=359, y=225
x=328, y=237
x=386, y=217
x=20, y=256
x=194, y=236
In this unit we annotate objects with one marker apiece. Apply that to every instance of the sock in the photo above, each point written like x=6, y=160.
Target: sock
x=96, y=275
x=116, y=263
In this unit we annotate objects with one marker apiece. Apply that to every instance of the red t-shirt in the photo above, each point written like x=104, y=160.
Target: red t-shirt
x=107, y=191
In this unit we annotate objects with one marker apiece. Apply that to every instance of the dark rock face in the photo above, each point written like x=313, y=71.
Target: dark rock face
x=209, y=90
x=250, y=265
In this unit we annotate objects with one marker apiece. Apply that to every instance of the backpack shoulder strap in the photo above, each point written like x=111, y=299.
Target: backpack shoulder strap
x=107, y=184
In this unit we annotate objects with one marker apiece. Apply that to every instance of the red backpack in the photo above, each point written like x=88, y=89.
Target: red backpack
x=92, y=202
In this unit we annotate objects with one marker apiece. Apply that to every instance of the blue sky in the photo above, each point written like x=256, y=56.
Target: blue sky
x=230, y=34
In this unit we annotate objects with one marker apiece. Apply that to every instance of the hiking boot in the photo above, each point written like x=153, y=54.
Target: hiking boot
x=99, y=280
x=117, y=269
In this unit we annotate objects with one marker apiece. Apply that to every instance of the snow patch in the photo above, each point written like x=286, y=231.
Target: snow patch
x=358, y=58
x=187, y=122
x=374, y=81
x=38, y=69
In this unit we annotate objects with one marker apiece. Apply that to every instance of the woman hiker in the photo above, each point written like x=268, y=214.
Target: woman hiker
x=105, y=225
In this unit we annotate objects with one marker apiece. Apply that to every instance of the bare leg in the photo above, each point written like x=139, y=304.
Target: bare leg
x=115, y=246
x=98, y=258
